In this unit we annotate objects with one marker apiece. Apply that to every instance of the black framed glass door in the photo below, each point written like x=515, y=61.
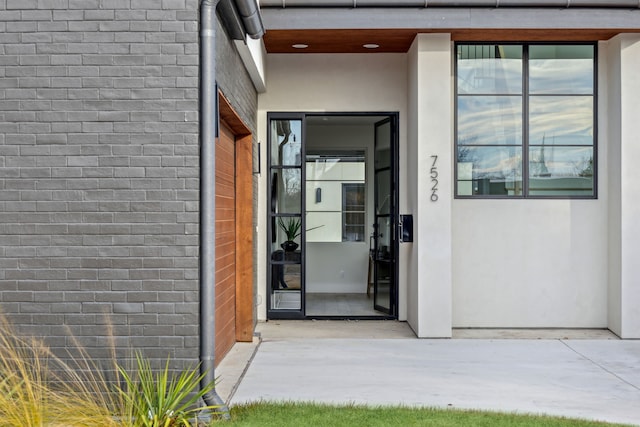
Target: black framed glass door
x=286, y=225
x=385, y=242
x=319, y=213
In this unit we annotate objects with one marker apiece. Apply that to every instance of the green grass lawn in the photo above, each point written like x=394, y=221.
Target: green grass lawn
x=307, y=414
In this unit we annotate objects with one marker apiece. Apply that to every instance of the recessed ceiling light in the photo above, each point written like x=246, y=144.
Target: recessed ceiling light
x=371, y=46
x=299, y=46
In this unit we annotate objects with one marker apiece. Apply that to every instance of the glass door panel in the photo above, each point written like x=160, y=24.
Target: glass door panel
x=382, y=158
x=286, y=142
x=383, y=267
x=384, y=235
x=383, y=191
x=287, y=224
x=286, y=193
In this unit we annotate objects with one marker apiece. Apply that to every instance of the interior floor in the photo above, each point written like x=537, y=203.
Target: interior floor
x=334, y=304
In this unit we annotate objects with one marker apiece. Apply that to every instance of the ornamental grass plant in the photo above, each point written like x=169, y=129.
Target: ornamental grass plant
x=161, y=399
x=40, y=389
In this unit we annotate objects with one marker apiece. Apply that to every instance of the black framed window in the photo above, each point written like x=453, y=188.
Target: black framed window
x=526, y=120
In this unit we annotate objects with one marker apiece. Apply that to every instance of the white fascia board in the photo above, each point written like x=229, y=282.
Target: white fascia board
x=449, y=18
x=253, y=54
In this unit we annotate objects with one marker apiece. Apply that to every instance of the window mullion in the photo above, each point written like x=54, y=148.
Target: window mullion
x=525, y=121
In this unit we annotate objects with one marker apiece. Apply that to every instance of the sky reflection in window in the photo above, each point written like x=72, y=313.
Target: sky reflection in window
x=555, y=107
x=495, y=120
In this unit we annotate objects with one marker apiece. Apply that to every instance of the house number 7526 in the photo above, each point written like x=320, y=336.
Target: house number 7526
x=434, y=179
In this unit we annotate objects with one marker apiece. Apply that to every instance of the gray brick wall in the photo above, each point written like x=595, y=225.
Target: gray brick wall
x=234, y=81
x=99, y=170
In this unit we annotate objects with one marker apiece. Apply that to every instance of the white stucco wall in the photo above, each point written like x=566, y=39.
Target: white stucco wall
x=330, y=83
x=534, y=263
x=493, y=263
x=430, y=131
x=530, y=263
x=623, y=53
x=485, y=263
x=609, y=54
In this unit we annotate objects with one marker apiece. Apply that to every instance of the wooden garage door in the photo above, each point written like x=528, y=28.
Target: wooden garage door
x=225, y=243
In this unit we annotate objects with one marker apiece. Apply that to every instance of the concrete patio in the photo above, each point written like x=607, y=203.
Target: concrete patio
x=575, y=373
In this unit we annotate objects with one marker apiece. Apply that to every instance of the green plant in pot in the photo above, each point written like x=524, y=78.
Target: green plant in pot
x=291, y=228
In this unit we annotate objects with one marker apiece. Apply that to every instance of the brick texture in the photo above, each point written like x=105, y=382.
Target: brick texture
x=99, y=178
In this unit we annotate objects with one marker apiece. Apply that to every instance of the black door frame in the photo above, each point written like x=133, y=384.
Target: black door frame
x=391, y=262
x=278, y=266
x=274, y=314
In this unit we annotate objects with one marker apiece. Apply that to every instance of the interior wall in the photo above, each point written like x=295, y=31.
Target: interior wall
x=330, y=83
x=341, y=267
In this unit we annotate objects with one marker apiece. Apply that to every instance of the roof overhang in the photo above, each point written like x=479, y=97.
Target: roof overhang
x=346, y=30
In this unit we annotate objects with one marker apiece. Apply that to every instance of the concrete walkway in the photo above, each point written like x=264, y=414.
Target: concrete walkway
x=596, y=379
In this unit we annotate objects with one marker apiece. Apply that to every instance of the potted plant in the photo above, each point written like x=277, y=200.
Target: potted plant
x=291, y=228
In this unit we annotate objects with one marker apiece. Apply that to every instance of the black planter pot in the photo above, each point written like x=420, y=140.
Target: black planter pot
x=289, y=246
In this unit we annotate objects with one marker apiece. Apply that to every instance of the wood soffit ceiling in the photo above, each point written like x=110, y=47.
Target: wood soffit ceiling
x=399, y=40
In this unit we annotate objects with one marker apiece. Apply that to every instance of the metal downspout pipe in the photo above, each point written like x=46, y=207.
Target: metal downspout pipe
x=241, y=18
x=251, y=18
x=208, y=132
x=252, y=22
